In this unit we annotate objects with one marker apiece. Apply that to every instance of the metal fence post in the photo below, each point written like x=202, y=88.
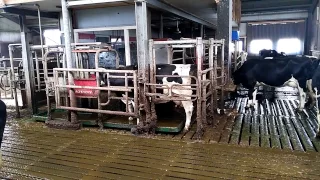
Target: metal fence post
x=28, y=68
x=13, y=82
x=67, y=37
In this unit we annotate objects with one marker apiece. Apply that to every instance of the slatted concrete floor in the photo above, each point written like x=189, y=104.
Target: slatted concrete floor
x=31, y=151
x=276, y=125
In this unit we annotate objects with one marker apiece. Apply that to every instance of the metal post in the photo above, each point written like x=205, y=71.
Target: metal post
x=127, y=46
x=142, y=49
x=37, y=71
x=224, y=27
x=201, y=30
x=28, y=68
x=142, y=35
x=212, y=76
x=14, y=83
x=199, y=50
x=40, y=29
x=67, y=42
x=161, y=26
x=222, y=75
x=235, y=54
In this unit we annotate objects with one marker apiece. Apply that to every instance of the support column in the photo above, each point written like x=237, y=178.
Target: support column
x=161, y=26
x=28, y=68
x=67, y=42
x=224, y=27
x=143, y=33
x=201, y=31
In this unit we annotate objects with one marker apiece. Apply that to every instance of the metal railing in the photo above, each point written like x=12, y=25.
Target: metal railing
x=97, y=90
x=209, y=77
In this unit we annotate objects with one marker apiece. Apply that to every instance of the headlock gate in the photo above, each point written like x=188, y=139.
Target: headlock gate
x=189, y=85
x=200, y=81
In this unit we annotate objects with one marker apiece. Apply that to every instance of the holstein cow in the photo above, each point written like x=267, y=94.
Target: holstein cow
x=295, y=72
x=167, y=69
x=314, y=88
x=3, y=120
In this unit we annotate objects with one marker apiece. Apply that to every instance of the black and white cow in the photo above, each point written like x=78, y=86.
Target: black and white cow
x=3, y=120
x=295, y=72
x=313, y=88
x=183, y=70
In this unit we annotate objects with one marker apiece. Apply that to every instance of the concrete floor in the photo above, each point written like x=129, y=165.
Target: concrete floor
x=272, y=125
x=32, y=151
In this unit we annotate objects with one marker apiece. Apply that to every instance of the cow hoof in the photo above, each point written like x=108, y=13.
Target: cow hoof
x=299, y=110
x=185, y=130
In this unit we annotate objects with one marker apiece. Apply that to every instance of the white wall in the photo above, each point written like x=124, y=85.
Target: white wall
x=105, y=17
x=10, y=37
x=243, y=29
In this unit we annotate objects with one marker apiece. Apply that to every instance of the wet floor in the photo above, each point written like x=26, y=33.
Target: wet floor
x=272, y=125
x=32, y=151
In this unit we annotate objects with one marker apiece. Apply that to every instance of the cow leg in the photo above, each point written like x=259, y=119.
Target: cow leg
x=130, y=109
x=302, y=97
x=311, y=100
x=250, y=94
x=252, y=98
x=133, y=108
x=130, y=106
x=318, y=118
x=188, y=107
x=312, y=96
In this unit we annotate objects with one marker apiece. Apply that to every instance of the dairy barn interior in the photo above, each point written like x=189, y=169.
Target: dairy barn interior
x=159, y=89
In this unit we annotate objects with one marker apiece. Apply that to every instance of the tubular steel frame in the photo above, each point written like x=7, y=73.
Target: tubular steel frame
x=206, y=89
x=79, y=71
x=207, y=82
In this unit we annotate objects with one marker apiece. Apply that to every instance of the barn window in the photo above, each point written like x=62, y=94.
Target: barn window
x=118, y=40
x=240, y=46
x=259, y=44
x=289, y=46
x=52, y=37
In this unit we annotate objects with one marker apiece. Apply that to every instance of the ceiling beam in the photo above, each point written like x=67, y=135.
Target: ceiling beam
x=90, y=2
x=179, y=12
x=278, y=8
x=13, y=19
x=10, y=2
x=313, y=6
x=27, y=12
x=255, y=6
x=293, y=15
